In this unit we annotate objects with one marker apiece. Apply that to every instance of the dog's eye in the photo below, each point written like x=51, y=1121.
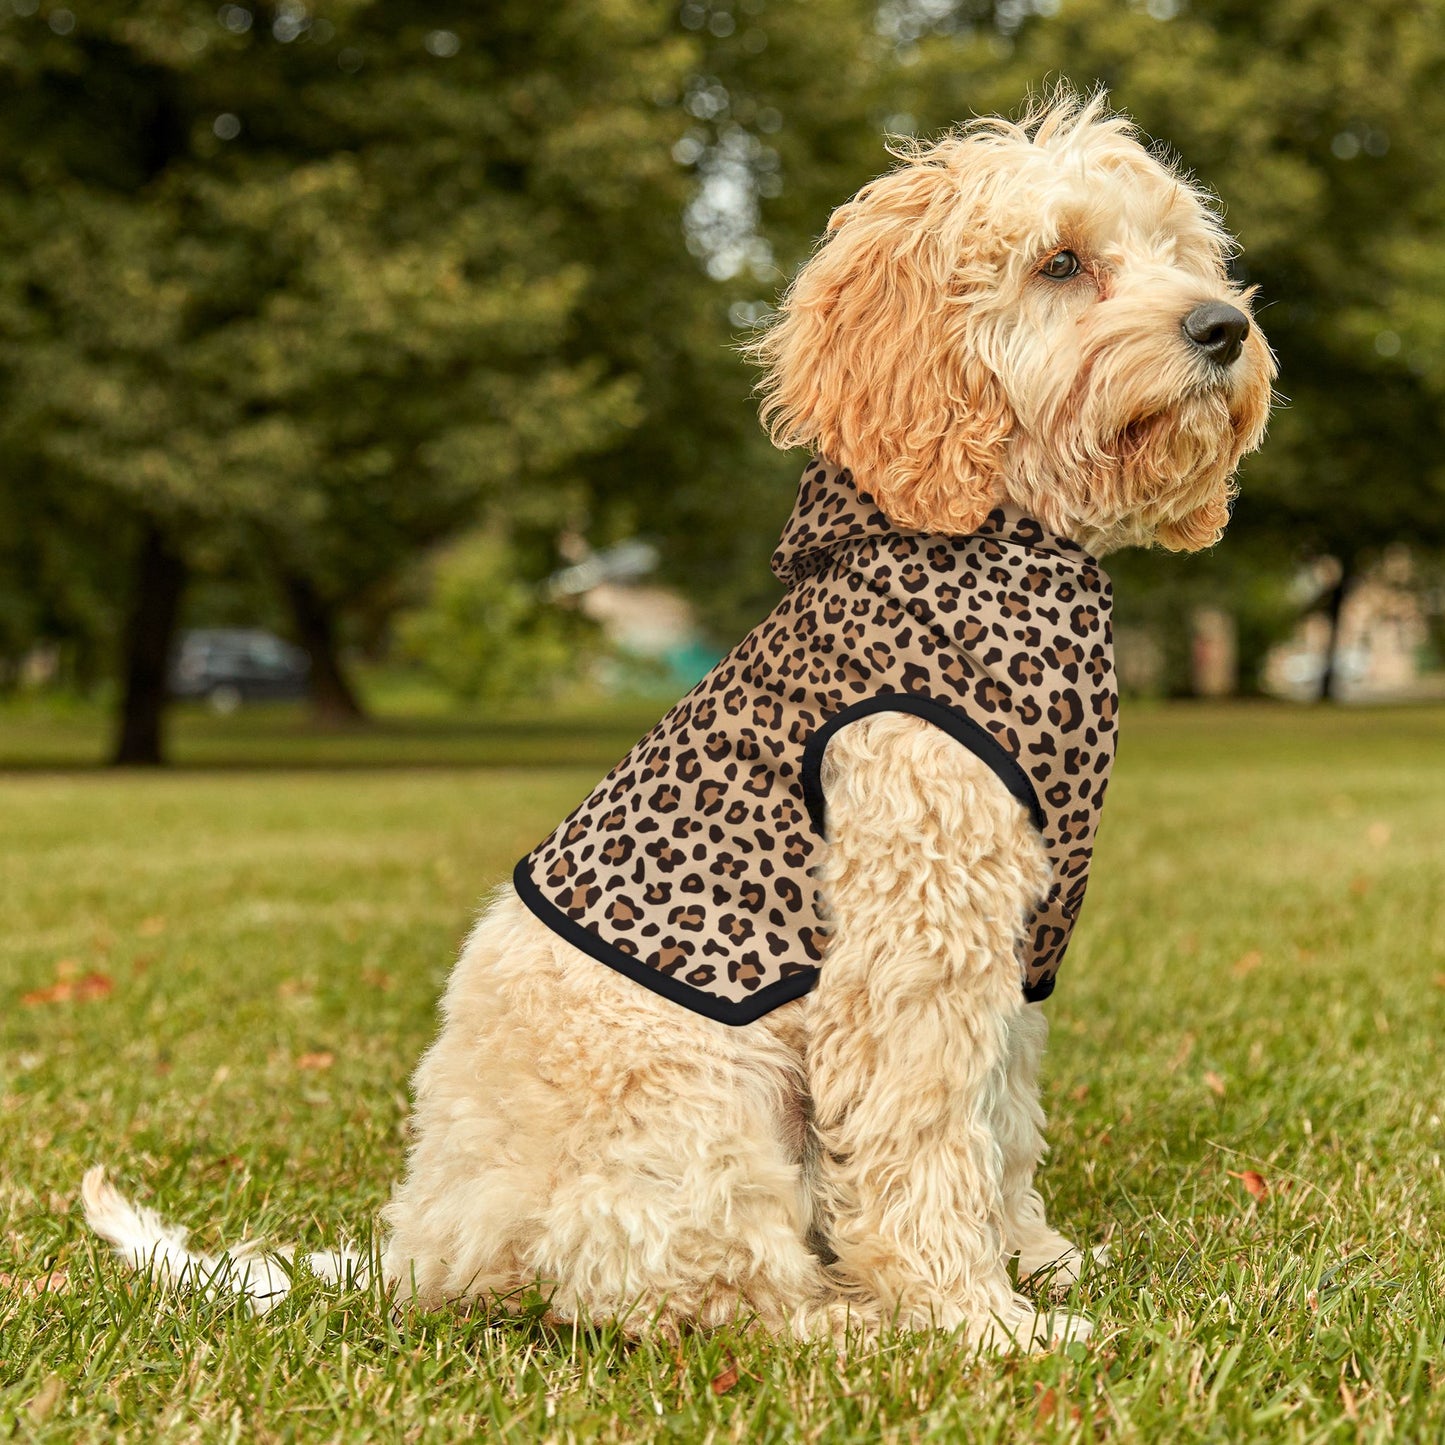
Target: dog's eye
x=1060, y=266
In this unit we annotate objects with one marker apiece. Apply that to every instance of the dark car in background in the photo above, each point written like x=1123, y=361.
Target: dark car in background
x=228, y=666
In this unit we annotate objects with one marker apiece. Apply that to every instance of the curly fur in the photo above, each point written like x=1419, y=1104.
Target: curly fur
x=920, y=346
x=865, y=1155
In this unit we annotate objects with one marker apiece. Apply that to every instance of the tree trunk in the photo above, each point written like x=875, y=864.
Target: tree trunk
x=333, y=699
x=160, y=578
x=1334, y=608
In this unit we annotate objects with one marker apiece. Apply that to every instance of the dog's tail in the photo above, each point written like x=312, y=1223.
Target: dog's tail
x=147, y=1243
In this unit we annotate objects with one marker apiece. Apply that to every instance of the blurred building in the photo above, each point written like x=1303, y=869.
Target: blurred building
x=1382, y=652
x=652, y=629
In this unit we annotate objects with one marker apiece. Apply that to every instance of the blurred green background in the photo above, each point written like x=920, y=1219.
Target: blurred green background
x=406, y=333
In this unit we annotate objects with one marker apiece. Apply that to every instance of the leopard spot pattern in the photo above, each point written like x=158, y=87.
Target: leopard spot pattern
x=695, y=857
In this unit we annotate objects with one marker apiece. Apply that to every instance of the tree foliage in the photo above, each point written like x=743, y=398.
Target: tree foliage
x=322, y=287
x=485, y=633
x=307, y=290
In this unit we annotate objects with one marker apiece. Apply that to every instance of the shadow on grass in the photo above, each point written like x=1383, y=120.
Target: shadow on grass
x=284, y=738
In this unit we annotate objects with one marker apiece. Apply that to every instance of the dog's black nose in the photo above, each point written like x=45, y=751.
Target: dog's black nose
x=1218, y=330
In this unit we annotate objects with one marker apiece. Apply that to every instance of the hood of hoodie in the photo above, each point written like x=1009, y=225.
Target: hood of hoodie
x=832, y=509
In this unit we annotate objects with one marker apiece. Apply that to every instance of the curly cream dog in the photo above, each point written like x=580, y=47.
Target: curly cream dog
x=1022, y=320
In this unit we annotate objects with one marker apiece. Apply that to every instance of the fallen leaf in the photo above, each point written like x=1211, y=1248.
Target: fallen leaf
x=1080, y=1094
x=1360, y=885
x=56, y=993
x=151, y=927
x=66, y=990
x=1255, y=1184
x=1247, y=963
x=1440, y=980
x=1378, y=834
x=377, y=978
x=56, y=1282
x=1214, y=1083
x=724, y=1382
x=322, y=1059
x=1046, y=1408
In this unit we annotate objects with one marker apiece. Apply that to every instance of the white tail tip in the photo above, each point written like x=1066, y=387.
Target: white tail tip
x=148, y=1244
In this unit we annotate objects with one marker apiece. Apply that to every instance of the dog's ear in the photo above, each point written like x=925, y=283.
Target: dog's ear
x=873, y=362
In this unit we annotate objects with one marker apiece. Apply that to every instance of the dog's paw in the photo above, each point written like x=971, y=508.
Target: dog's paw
x=1023, y=1326
x=1060, y=1327
x=1055, y=1269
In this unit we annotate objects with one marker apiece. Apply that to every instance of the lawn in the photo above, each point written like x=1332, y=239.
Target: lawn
x=217, y=979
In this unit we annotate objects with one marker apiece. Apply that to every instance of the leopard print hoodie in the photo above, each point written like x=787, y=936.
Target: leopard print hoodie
x=690, y=867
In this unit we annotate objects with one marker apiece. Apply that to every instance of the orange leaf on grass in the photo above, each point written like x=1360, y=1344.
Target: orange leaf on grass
x=32, y=1287
x=322, y=1059
x=1247, y=963
x=724, y=1382
x=56, y=993
x=65, y=990
x=1214, y=1083
x=1255, y=1184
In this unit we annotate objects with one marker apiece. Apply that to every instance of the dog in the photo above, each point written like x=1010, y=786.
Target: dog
x=756, y=1033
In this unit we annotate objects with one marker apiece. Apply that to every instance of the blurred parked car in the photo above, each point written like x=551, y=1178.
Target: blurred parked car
x=230, y=665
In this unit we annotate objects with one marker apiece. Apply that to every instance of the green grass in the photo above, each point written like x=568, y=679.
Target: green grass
x=408, y=729
x=1257, y=985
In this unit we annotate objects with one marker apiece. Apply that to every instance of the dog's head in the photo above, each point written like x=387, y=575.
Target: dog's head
x=1037, y=312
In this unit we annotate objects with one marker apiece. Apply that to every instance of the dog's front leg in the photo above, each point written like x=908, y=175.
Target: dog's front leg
x=931, y=871
x=1042, y=1251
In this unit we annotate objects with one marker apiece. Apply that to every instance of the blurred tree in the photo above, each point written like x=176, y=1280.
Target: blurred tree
x=59, y=572
x=328, y=283
x=309, y=282
x=485, y=633
x=782, y=109
x=325, y=285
